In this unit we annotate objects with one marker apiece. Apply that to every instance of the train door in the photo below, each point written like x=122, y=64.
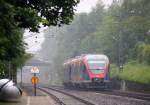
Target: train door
x=84, y=73
x=69, y=69
x=108, y=72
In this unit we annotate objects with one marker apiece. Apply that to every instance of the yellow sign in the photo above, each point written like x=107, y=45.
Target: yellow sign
x=34, y=80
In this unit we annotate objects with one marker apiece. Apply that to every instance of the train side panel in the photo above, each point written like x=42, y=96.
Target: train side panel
x=87, y=71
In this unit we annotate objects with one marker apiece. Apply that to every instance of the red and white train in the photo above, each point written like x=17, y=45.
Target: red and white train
x=87, y=71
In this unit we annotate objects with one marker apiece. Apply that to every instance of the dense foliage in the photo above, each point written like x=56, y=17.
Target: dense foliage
x=29, y=13
x=132, y=71
x=115, y=31
x=16, y=15
x=121, y=31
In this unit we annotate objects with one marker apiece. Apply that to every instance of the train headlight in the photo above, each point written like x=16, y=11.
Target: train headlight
x=97, y=80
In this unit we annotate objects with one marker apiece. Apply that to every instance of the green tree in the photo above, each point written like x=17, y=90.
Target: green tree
x=16, y=15
x=29, y=13
x=143, y=52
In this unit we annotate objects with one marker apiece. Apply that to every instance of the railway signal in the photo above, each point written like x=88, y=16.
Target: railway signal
x=35, y=70
x=34, y=79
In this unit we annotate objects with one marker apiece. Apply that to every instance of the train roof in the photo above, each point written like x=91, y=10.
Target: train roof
x=96, y=56
x=88, y=57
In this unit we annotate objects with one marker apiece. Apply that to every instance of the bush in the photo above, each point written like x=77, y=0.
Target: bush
x=143, y=52
x=132, y=72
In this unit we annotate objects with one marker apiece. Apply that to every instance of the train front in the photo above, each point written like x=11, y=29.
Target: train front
x=97, y=68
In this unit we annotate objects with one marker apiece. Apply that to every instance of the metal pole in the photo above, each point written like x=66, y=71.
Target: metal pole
x=120, y=52
x=35, y=86
x=121, y=61
x=34, y=89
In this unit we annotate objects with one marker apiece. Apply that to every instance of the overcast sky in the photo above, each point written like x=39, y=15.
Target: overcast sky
x=34, y=44
x=87, y=5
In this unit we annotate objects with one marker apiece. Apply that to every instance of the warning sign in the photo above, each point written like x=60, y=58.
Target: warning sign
x=34, y=80
x=35, y=70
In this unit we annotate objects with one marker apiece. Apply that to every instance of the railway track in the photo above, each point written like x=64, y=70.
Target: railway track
x=53, y=96
x=136, y=95
x=64, y=98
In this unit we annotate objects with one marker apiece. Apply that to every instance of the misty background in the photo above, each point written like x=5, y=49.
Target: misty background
x=120, y=31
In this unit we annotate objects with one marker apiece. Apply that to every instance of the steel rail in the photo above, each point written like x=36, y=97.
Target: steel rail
x=135, y=95
x=140, y=96
x=53, y=96
x=70, y=95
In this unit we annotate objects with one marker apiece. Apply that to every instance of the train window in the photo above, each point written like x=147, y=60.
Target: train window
x=96, y=64
x=97, y=71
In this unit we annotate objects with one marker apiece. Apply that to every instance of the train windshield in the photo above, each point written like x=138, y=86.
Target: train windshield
x=96, y=66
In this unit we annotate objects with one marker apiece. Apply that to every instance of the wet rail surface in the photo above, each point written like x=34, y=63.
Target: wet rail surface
x=52, y=96
x=96, y=97
x=64, y=98
x=107, y=97
x=136, y=95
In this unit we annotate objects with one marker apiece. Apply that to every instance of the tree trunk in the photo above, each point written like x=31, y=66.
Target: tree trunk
x=14, y=73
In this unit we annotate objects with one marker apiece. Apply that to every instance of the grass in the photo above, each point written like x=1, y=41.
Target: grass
x=133, y=72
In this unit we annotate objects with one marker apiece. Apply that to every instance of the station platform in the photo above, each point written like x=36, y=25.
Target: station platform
x=28, y=98
x=32, y=100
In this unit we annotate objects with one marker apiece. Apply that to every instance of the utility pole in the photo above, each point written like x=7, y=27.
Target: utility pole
x=120, y=60
x=120, y=52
